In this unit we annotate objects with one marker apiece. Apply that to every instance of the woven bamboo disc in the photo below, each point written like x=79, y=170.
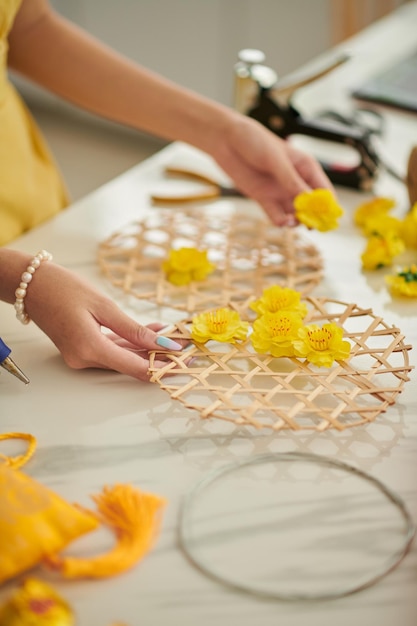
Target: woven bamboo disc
x=249, y=254
x=232, y=382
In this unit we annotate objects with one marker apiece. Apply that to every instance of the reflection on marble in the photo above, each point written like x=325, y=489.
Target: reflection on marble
x=209, y=442
x=56, y=460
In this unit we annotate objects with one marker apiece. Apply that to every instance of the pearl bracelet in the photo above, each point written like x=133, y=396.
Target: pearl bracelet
x=25, y=279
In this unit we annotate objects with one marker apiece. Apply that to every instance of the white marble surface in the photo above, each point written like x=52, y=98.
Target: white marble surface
x=96, y=428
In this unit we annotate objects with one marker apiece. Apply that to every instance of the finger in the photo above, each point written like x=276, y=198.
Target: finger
x=168, y=331
x=140, y=336
x=157, y=326
x=275, y=192
x=143, y=352
x=310, y=170
x=280, y=212
x=111, y=356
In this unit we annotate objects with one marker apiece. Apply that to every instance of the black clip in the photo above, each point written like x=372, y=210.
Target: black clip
x=259, y=95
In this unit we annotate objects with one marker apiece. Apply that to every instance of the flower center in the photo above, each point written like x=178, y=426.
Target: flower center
x=218, y=321
x=277, y=304
x=279, y=328
x=319, y=338
x=39, y=606
x=409, y=275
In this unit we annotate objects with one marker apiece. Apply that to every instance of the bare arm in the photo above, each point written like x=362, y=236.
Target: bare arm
x=66, y=60
x=69, y=62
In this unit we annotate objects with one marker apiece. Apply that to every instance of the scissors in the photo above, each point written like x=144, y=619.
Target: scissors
x=212, y=191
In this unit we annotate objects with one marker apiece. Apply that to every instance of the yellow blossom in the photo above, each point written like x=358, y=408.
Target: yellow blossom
x=222, y=325
x=375, y=208
x=186, y=265
x=321, y=345
x=380, y=250
x=35, y=602
x=409, y=227
x=274, y=333
x=404, y=283
x=318, y=209
x=279, y=299
x=382, y=225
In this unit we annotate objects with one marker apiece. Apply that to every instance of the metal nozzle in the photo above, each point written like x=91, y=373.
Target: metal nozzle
x=9, y=365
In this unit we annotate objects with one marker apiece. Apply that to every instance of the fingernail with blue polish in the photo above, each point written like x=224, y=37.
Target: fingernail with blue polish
x=169, y=344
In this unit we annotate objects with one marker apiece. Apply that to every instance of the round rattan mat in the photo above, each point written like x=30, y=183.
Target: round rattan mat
x=232, y=382
x=249, y=253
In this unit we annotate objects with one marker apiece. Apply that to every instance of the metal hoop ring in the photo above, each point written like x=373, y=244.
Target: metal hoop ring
x=392, y=562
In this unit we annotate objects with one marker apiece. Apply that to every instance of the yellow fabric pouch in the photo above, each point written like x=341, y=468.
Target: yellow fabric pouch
x=35, y=523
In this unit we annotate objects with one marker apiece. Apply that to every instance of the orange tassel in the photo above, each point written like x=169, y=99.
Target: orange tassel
x=134, y=517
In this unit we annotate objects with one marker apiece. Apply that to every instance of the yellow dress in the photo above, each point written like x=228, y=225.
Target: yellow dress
x=31, y=187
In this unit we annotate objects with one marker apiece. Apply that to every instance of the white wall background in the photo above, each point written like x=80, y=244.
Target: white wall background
x=195, y=42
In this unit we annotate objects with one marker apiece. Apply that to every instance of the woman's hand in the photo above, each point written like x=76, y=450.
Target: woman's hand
x=72, y=313
x=266, y=168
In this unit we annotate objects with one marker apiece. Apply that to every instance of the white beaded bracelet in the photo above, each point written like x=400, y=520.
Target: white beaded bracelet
x=25, y=279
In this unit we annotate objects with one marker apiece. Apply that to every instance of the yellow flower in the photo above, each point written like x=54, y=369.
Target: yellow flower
x=279, y=299
x=274, y=333
x=382, y=225
x=380, y=250
x=222, y=325
x=321, y=346
x=186, y=265
x=375, y=208
x=36, y=602
x=409, y=228
x=404, y=283
x=318, y=209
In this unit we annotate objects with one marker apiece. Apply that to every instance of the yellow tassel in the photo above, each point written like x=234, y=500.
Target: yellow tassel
x=134, y=517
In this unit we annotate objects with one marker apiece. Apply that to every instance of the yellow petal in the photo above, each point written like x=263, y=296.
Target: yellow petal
x=318, y=209
x=376, y=207
x=277, y=298
x=380, y=251
x=274, y=333
x=384, y=225
x=408, y=229
x=186, y=265
x=222, y=325
x=36, y=603
x=321, y=345
x=404, y=283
